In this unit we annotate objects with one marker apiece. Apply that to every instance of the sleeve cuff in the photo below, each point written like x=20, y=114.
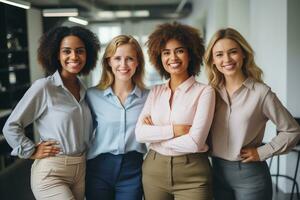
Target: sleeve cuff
x=23, y=151
x=265, y=152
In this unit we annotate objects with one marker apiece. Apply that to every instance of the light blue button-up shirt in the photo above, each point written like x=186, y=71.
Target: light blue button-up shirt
x=57, y=114
x=115, y=123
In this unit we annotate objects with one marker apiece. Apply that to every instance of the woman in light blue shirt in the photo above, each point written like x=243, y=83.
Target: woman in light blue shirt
x=57, y=106
x=115, y=157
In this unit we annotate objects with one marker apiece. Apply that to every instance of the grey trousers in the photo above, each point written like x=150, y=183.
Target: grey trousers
x=234, y=180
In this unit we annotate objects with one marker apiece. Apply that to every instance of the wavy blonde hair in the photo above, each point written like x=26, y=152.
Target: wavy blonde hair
x=107, y=77
x=249, y=68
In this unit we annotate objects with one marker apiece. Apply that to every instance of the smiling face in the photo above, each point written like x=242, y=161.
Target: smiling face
x=228, y=57
x=175, y=58
x=72, y=55
x=124, y=63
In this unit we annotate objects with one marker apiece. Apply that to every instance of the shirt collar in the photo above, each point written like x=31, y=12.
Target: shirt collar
x=136, y=91
x=249, y=83
x=58, y=82
x=184, y=86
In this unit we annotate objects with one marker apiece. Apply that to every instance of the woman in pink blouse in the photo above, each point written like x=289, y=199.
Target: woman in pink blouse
x=176, y=118
x=244, y=105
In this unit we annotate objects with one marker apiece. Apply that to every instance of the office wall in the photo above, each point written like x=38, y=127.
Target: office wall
x=35, y=31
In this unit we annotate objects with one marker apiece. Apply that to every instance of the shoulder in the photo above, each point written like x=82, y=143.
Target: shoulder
x=204, y=88
x=42, y=84
x=261, y=89
x=94, y=91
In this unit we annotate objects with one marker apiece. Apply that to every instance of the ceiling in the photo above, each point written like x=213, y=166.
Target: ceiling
x=88, y=9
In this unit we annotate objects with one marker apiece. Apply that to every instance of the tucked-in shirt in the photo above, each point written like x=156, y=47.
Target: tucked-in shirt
x=57, y=114
x=115, y=123
x=240, y=121
x=193, y=104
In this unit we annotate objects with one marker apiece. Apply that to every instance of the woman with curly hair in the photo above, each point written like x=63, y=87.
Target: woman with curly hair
x=63, y=119
x=114, y=166
x=176, y=118
x=243, y=107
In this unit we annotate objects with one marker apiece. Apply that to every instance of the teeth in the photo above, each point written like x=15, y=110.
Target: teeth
x=174, y=65
x=73, y=64
x=228, y=67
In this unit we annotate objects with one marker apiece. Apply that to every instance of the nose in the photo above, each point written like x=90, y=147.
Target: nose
x=227, y=57
x=73, y=55
x=173, y=56
x=123, y=62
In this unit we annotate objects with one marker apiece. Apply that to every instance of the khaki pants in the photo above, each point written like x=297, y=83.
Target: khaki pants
x=58, y=178
x=186, y=177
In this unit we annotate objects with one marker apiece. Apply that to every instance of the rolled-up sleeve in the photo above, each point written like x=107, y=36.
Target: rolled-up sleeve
x=287, y=128
x=29, y=108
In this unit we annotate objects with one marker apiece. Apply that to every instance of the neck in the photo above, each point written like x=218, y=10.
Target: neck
x=175, y=81
x=69, y=78
x=120, y=88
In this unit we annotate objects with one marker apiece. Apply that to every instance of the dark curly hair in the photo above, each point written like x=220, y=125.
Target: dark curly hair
x=186, y=35
x=48, y=50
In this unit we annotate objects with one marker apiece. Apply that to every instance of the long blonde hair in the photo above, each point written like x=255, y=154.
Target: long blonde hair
x=249, y=68
x=107, y=77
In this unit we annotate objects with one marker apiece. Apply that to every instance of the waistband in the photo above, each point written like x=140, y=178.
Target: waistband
x=68, y=160
x=177, y=159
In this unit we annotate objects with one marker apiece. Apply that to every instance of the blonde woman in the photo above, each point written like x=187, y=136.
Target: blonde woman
x=115, y=158
x=244, y=105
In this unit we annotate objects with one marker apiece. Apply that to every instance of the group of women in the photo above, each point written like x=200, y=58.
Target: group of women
x=182, y=121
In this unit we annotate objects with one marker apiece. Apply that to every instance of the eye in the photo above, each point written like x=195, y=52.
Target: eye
x=117, y=58
x=131, y=59
x=80, y=51
x=218, y=55
x=165, y=53
x=66, y=51
x=180, y=51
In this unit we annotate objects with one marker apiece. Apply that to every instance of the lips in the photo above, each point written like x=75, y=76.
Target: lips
x=123, y=71
x=73, y=64
x=174, y=65
x=229, y=66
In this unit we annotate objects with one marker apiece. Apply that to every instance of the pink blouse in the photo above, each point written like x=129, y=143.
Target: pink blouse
x=193, y=104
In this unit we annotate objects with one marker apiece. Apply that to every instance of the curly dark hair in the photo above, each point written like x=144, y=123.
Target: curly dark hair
x=186, y=35
x=49, y=48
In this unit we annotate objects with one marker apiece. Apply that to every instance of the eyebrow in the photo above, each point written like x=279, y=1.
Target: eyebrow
x=235, y=48
x=71, y=48
x=174, y=49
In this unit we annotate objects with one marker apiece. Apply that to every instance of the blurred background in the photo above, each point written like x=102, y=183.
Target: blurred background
x=272, y=27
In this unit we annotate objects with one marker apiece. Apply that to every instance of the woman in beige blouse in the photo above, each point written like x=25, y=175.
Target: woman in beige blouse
x=244, y=105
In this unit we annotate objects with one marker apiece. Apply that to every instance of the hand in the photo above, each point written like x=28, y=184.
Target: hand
x=148, y=120
x=181, y=129
x=249, y=155
x=45, y=149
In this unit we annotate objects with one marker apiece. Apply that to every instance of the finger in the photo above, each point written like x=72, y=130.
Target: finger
x=150, y=120
x=249, y=159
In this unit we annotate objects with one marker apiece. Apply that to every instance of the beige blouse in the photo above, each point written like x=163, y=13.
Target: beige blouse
x=240, y=122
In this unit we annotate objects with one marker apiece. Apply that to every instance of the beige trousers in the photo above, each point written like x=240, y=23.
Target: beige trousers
x=186, y=177
x=58, y=178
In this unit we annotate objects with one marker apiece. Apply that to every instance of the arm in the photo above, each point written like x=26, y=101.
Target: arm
x=149, y=133
x=195, y=140
x=288, y=129
x=27, y=110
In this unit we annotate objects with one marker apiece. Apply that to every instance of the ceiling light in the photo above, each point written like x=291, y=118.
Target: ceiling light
x=141, y=13
x=78, y=20
x=17, y=3
x=106, y=14
x=123, y=13
x=60, y=12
